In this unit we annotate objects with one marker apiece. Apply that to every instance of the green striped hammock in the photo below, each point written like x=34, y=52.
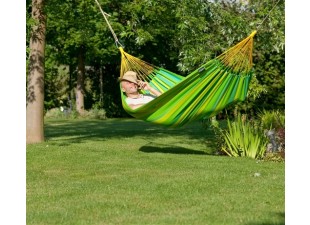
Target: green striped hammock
x=201, y=94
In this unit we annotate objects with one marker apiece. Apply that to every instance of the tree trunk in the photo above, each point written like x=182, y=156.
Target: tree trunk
x=35, y=81
x=101, y=85
x=70, y=92
x=80, y=82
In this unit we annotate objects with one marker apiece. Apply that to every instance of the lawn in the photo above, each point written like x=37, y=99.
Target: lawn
x=125, y=171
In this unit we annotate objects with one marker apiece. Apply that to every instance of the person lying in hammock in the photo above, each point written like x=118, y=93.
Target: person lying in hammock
x=131, y=86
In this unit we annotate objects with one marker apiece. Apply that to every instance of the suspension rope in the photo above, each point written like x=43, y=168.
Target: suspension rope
x=118, y=43
x=266, y=15
x=110, y=27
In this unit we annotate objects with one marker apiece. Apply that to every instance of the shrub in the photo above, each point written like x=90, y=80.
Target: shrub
x=244, y=138
x=55, y=113
x=61, y=113
x=96, y=114
x=274, y=121
x=241, y=138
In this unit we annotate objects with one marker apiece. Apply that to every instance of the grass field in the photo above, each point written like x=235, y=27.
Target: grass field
x=124, y=171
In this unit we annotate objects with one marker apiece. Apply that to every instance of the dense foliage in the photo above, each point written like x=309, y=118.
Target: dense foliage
x=178, y=35
x=261, y=137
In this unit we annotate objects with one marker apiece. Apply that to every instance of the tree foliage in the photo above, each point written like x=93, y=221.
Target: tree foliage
x=201, y=30
x=177, y=35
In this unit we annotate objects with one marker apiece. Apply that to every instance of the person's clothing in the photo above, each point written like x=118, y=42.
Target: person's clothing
x=143, y=99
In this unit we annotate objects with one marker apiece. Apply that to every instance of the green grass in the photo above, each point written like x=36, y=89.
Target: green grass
x=130, y=172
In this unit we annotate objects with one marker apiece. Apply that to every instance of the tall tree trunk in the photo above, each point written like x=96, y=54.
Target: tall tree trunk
x=80, y=82
x=35, y=82
x=71, y=93
x=101, y=85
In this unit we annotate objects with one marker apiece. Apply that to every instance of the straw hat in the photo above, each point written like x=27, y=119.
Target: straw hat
x=130, y=76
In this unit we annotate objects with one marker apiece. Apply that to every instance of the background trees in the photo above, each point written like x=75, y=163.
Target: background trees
x=82, y=62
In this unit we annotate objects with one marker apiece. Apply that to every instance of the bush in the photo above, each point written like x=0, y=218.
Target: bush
x=61, y=113
x=244, y=138
x=96, y=114
x=240, y=137
x=55, y=113
x=274, y=121
x=251, y=138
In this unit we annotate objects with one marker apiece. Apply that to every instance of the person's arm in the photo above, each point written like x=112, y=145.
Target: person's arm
x=146, y=86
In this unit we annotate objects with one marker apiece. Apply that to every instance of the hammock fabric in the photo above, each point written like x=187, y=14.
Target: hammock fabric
x=201, y=94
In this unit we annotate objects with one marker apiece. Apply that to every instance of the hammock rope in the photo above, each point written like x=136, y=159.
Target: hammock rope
x=258, y=27
x=109, y=25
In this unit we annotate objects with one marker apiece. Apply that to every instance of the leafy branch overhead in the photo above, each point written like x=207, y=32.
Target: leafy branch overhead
x=176, y=35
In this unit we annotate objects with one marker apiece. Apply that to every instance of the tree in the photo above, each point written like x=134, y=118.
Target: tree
x=176, y=35
x=78, y=36
x=68, y=34
x=35, y=81
x=201, y=30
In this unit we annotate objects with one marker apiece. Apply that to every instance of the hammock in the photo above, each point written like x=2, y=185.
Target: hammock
x=201, y=94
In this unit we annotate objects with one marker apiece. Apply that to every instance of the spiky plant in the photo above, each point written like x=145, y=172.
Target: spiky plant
x=243, y=138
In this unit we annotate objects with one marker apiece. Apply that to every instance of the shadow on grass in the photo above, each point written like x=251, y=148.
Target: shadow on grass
x=68, y=131
x=281, y=216
x=171, y=150
x=79, y=130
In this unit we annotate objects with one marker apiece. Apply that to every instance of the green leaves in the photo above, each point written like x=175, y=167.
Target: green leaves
x=244, y=139
x=178, y=35
x=273, y=119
